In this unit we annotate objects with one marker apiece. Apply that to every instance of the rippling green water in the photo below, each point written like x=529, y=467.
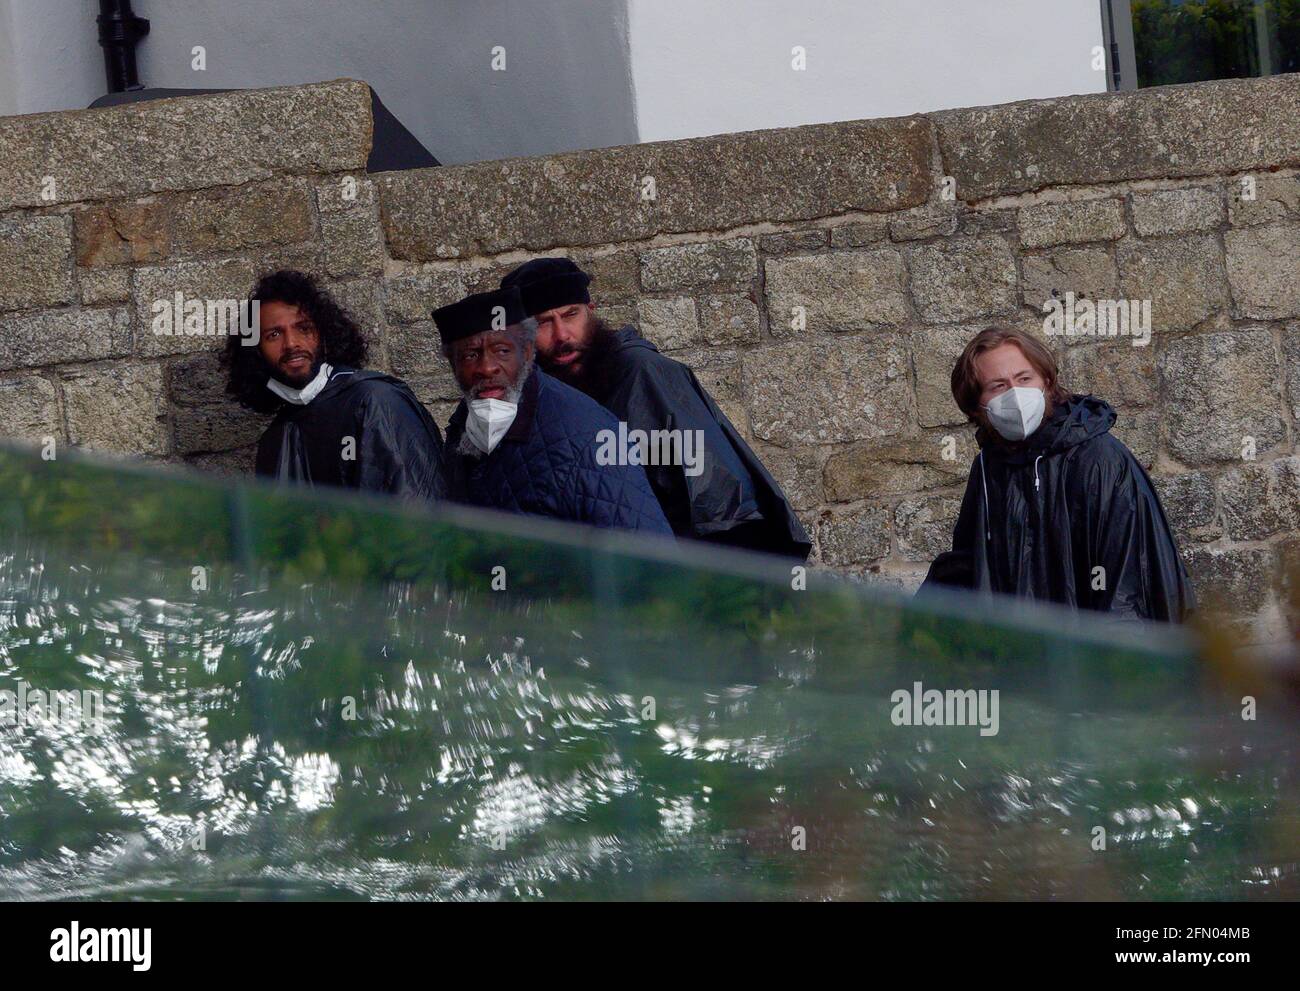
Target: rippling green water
x=349, y=709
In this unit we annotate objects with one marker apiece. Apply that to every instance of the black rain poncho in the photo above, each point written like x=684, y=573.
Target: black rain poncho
x=397, y=445
x=734, y=501
x=1040, y=516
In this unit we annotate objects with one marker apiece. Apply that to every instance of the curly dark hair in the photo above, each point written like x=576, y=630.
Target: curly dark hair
x=341, y=339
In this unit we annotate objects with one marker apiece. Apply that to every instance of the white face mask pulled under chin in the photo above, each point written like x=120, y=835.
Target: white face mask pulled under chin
x=301, y=397
x=488, y=421
x=1016, y=413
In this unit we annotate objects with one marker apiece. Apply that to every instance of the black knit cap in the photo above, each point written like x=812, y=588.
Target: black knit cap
x=549, y=283
x=475, y=314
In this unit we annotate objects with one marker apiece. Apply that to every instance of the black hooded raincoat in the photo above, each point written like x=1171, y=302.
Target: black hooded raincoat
x=397, y=447
x=1067, y=516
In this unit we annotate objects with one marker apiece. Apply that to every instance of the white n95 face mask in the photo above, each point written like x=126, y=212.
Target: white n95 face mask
x=488, y=421
x=1016, y=413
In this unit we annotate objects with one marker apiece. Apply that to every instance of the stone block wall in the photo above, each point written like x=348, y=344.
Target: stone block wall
x=821, y=280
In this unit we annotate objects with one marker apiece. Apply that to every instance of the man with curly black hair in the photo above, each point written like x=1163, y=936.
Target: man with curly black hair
x=335, y=423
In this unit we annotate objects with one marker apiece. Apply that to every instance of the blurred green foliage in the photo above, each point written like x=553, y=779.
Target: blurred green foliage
x=1195, y=40
x=524, y=709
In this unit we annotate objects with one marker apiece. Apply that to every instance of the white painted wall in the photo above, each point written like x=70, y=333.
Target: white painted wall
x=566, y=84
x=8, y=80
x=580, y=73
x=49, y=58
x=713, y=66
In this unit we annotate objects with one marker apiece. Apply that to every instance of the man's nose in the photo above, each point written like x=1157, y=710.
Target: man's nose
x=487, y=366
x=296, y=340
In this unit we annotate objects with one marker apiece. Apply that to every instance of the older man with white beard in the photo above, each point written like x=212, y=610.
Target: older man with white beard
x=523, y=442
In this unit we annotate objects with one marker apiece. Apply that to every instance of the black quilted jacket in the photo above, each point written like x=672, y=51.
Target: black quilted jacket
x=546, y=464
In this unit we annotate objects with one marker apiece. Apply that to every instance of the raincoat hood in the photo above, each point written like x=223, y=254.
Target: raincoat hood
x=1079, y=419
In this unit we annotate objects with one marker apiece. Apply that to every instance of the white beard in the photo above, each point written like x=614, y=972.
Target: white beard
x=513, y=392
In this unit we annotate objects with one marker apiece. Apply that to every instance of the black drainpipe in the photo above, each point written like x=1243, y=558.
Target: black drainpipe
x=119, y=30
x=1114, y=45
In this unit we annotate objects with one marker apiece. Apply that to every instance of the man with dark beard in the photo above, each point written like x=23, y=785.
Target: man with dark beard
x=523, y=442
x=335, y=423
x=728, y=499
